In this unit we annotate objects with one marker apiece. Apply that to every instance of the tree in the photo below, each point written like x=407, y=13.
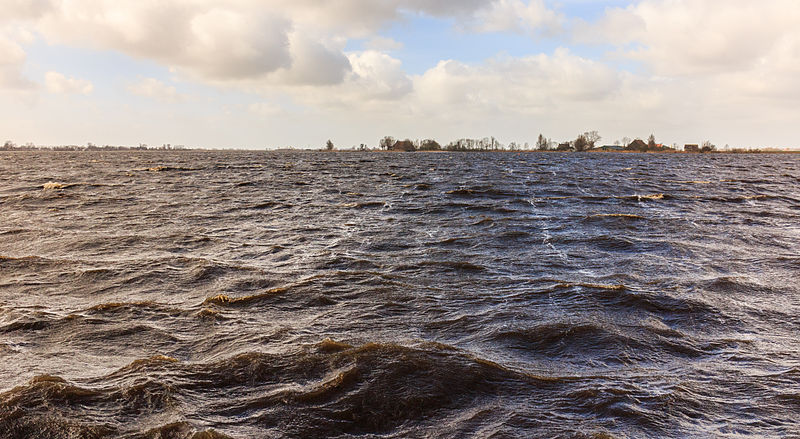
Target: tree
x=708, y=146
x=626, y=141
x=387, y=142
x=591, y=137
x=429, y=145
x=329, y=145
x=581, y=143
x=651, y=142
x=541, y=143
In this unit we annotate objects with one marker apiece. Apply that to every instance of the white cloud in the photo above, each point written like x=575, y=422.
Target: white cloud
x=59, y=84
x=379, y=76
x=374, y=80
x=12, y=59
x=524, y=85
x=383, y=44
x=313, y=63
x=209, y=42
x=155, y=89
x=517, y=16
x=22, y=9
x=696, y=37
x=265, y=109
x=297, y=42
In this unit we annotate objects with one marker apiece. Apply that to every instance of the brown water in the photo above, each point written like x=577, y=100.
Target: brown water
x=252, y=294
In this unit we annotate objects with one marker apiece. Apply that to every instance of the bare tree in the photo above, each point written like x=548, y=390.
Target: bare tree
x=387, y=142
x=591, y=137
x=541, y=143
x=708, y=146
x=651, y=142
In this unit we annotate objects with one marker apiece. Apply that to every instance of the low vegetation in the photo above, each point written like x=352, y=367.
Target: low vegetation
x=586, y=142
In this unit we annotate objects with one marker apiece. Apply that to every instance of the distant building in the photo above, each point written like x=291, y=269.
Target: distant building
x=564, y=147
x=611, y=148
x=691, y=147
x=637, y=145
x=403, y=145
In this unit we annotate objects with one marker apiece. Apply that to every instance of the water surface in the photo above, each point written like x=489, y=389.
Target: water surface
x=252, y=294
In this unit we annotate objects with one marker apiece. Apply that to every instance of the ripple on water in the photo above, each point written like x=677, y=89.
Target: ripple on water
x=221, y=294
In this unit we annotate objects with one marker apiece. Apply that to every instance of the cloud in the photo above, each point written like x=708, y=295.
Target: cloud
x=265, y=109
x=375, y=81
x=313, y=63
x=383, y=44
x=57, y=83
x=530, y=84
x=516, y=16
x=444, y=8
x=297, y=42
x=732, y=68
x=696, y=37
x=205, y=41
x=23, y=9
x=155, y=89
x=12, y=60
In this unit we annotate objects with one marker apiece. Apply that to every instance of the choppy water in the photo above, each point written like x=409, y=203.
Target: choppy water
x=236, y=294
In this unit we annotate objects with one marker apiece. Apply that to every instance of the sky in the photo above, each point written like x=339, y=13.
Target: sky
x=295, y=73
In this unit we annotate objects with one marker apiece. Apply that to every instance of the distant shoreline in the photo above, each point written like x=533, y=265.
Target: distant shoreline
x=351, y=150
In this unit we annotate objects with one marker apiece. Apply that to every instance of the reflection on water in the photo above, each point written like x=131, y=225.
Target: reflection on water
x=250, y=294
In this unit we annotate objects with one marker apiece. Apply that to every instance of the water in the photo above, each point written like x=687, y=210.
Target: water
x=252, y=294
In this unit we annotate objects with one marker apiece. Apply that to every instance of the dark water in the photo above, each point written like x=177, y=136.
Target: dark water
x=234, y=294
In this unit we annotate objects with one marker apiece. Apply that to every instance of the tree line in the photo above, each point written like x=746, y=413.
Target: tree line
x=587, y=141
x=11, y=146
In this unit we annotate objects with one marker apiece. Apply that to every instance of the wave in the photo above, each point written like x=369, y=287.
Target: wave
x=690, y=181
x=449, y=207
x=225, y=300
x=365, y=205
x=617, y=287
x=745, y=198
x=485, y=192
x=180, y=430
x=334, y=388
x=453, y=265
x=598, y=198
x=617, y=215
x=115, y=307
x=574, y=339
x=163, y=168
x=337, y=388
x=52, y=185
x=269, y=205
